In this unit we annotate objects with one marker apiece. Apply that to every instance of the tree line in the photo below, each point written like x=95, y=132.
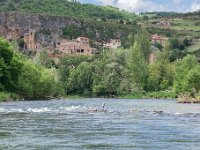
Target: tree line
x=112, y=73
x=129, y=72
x=21, y=78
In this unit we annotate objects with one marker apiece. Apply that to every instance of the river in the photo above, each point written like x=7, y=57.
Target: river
x=127, y=124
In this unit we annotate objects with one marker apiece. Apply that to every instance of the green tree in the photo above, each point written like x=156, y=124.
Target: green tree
x=36, y=82
x=28, y=82
x=70, y=62
x=143, y=42
x=80, y=80
x=130, y=40
x=42, y=58
x=158, y=45
x=145, y=18
x=186, y=75
x=177, y=54
x=137, y=62
x=10, y=67
x=161, y=72
x=109, y=73
x=186, y=42
x=11, y=5
x=72, y=31
x=174, y=43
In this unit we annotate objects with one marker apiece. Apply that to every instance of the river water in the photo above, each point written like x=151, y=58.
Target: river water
x=127, y=124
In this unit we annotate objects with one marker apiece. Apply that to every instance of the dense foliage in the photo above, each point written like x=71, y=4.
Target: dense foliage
x=114, y=72
x=21, y=76
x=65, y=8
x=99, y=30
x=128, y=71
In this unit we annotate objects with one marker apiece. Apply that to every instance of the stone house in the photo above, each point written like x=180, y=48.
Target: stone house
x=30, y=41
x=80, y=45
x=164, y=23
x=113, y=43
x=158, y=39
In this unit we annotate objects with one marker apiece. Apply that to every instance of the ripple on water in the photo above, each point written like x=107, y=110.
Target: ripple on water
x=127, y=124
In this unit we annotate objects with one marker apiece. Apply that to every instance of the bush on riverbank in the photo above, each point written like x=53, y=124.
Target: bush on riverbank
x=5, y=96
x=36, y=82
x=186, y=98
x=162, y=94
x=20, y=75
x=132, y=96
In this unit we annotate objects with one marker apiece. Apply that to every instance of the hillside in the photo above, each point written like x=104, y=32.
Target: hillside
x=50, y=28
x=66, y=8
x=180, y=24
x=175, y=26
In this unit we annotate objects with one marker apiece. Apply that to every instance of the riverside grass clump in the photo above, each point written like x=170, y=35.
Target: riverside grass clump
x=162, y=94
x=5, y=96
x=188, y=98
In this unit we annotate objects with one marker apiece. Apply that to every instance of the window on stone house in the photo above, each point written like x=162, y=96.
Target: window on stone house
x=82, y=50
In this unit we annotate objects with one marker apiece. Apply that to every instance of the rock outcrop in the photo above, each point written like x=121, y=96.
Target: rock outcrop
x=48, y=28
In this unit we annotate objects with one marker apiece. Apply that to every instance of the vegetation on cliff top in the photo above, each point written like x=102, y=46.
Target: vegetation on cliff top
x=66, y=8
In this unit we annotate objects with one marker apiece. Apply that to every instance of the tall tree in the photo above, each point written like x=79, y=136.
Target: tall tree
x=138, y=60
x=10, y=66
x=143, y=41
x=186, y=76
x=161, y=72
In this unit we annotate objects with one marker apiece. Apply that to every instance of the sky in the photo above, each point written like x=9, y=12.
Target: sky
x=150, y=5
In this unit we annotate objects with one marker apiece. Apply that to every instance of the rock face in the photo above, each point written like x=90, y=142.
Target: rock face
x=48, y=28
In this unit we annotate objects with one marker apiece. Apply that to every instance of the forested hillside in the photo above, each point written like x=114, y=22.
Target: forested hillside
x=65, y=8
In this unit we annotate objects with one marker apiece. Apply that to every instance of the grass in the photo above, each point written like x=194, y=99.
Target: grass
x=186, y=28
x=5, y=96
x=162, y=94
x=194, y=47
x=157, y=95
x=179, y=27
x=132, y=96
x=184, y=25
x=149, y=15
x=184, y=22
x=76, y=96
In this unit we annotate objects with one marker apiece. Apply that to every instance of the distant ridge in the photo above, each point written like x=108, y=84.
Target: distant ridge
x=66, y=8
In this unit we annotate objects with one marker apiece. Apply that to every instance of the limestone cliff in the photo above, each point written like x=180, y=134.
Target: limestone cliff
x=48, y=28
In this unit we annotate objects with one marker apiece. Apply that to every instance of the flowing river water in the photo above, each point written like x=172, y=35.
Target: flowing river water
x=72, y=124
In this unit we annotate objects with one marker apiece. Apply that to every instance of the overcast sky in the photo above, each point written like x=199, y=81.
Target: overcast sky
x=150, y=5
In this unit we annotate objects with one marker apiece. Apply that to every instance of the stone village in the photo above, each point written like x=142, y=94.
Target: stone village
x=62, y=46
